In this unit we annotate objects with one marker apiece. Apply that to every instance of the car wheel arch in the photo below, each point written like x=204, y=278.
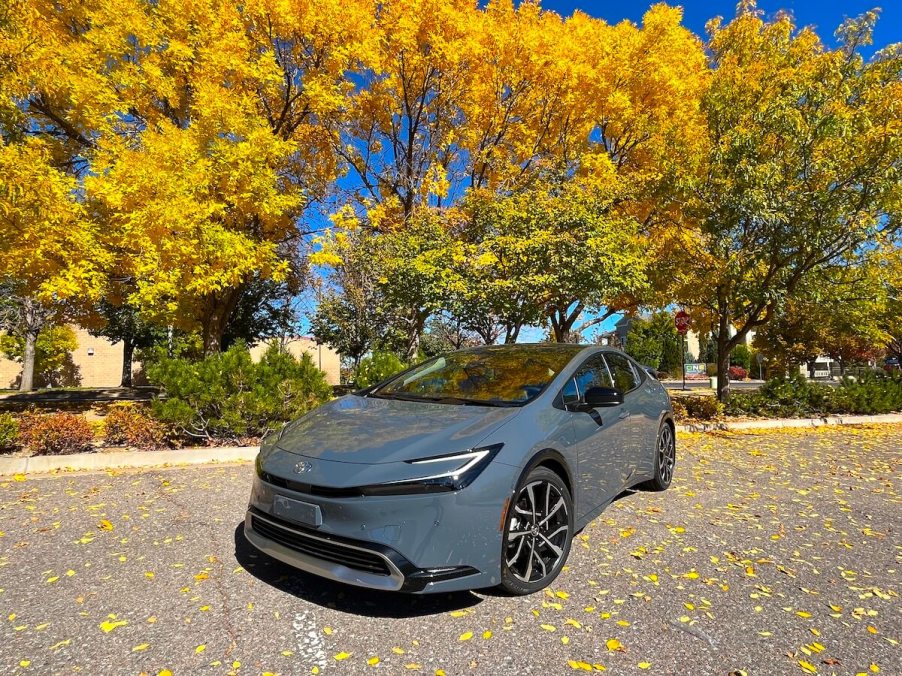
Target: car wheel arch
x=554, y=461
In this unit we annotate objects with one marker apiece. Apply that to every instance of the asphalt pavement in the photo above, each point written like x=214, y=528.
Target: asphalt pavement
x=773, y=553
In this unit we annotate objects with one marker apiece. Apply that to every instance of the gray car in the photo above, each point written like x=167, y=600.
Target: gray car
x=470, y=470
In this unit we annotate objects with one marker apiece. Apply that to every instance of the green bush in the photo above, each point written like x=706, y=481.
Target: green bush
x=9, y=432
x=377, y=367
x=796, y=396
x=741, y=356
x=227, y=395
x=130, y=425
x=870, y=394
x=55, y=433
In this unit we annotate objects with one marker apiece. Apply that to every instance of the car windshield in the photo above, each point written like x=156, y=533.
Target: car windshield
x=501, y=375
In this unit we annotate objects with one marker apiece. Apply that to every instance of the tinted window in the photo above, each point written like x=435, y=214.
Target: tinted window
x=501, y=374
x=570, y=393
x=593, y=374
x=625, y=378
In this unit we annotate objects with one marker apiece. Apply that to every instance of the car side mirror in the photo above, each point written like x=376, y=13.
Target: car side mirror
x=599, y=397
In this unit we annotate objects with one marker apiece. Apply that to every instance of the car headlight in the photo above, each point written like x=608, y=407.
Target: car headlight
x=442, y=474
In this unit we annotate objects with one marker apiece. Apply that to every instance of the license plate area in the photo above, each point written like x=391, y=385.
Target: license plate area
x=299, y=512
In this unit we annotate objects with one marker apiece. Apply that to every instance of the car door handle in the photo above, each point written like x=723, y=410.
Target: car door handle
x=624, y=415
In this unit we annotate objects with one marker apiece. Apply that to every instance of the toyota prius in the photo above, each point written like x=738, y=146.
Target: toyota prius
x=470, y=470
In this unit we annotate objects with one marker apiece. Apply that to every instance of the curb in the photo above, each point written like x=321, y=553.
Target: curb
x=42, y=464
x=780, y=423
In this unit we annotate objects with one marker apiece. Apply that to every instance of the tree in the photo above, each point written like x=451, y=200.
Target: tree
x=837, y=313
x=654, y=341
x=52, y=351
x=352, y=315
x=122, y=323
x=801, y=171
x=49, y=252
x=561, y=248
x=446, y=334
x=197, y=133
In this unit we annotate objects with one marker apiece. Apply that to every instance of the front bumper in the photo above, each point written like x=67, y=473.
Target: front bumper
x=411, y=543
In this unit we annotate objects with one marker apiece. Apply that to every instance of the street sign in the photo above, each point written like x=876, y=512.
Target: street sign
x=681, y=321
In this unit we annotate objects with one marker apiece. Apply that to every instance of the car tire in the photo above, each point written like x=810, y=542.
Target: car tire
x=665, y=459
x=538, y=532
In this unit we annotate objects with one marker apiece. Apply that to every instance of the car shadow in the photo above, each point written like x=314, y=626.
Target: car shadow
x=342, y=597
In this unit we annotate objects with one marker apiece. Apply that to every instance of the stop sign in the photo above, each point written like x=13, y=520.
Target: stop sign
x=681, y=321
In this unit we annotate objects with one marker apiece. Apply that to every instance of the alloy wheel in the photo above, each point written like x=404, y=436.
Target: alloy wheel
x=666, y=454
x=537, y=532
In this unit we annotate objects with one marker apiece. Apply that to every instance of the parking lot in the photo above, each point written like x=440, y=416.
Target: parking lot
x=773, y=553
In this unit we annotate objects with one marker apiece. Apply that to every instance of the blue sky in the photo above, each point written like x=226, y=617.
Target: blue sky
x=823, y=15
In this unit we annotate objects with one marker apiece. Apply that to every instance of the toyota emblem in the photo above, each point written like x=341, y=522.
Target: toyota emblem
x=303, y=466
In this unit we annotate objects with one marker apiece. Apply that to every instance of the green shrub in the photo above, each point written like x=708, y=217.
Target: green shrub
x=702, y=408
x=871, y=393
x=55, y=433
x=228, y=396
x=741, y=356
x=377, y=367
x=785, y=397
x=796, y=396
x=9, y=432
x=130, y=425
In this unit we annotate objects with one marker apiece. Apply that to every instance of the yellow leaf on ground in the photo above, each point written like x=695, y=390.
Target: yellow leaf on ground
x=614, y=644
x=141, y=646
x=807, y=667
x=342, y=656
x=373, y=661
x=105, y=525
x=107, y=625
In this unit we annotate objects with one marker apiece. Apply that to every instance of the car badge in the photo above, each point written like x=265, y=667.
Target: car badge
x=303, y=467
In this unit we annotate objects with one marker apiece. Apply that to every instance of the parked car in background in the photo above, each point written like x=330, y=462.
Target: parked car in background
x=470, y=470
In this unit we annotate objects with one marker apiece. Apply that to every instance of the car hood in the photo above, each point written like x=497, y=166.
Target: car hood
x=366, y=430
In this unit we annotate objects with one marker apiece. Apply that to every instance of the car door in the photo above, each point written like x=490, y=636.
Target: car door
x=598, y=437
x=631, y=461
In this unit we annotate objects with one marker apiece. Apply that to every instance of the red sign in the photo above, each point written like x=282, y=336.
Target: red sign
x=681, y=321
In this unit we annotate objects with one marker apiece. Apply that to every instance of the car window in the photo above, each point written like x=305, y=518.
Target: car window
x=594, y=373
x=624, y=376
x=570, y=393
x=496, y=374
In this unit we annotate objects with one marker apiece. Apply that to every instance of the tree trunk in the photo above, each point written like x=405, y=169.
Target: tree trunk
x=562, y=322
x=415, y=324
x=216, y=316
x=723, y=356
x=28, y=359
x=128, y=352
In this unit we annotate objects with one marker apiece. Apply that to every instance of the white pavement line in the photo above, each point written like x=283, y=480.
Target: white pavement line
x=310, y=642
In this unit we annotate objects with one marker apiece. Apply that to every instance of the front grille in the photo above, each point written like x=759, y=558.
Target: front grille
x=332, y=551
